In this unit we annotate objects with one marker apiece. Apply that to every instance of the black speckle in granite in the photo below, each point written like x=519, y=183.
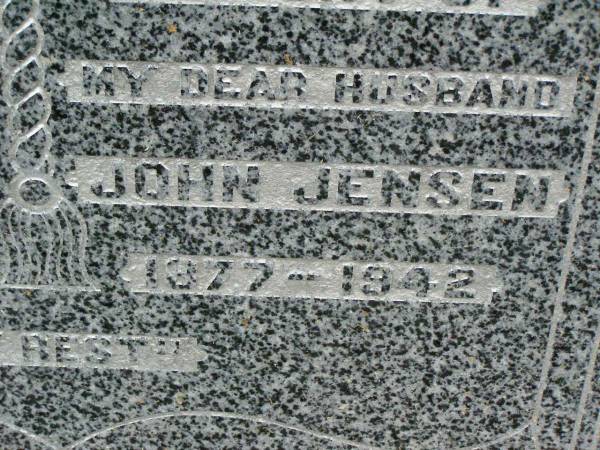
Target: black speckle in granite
x=414, y=376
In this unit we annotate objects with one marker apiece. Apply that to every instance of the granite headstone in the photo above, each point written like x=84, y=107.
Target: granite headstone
x=299, y=224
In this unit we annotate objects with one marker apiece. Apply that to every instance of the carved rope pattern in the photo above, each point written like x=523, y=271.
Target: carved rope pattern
x=36, y=91
x=45, y=243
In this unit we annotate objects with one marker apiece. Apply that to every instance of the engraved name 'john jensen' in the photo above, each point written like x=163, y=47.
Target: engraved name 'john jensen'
x=319, y=187
x=300, y=87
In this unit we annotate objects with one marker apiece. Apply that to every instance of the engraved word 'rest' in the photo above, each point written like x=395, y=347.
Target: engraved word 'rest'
x=70, y=350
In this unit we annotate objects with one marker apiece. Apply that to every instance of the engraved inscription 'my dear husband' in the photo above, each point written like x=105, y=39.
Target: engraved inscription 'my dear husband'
x=312, y=224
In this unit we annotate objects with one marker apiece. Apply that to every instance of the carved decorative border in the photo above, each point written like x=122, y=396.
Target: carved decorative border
x=46, y=237
x=64, y=232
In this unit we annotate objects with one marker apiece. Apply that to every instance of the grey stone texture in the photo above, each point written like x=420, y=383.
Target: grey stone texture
x=282, y=373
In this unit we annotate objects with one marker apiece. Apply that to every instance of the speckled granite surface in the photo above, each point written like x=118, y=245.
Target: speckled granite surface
x=520, y=373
